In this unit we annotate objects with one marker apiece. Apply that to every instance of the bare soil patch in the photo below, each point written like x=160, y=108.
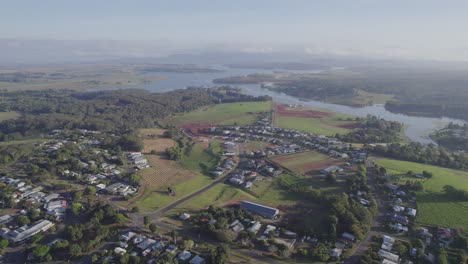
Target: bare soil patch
x=283, y=110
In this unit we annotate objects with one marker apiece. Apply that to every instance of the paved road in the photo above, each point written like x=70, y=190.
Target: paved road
x=364, y=244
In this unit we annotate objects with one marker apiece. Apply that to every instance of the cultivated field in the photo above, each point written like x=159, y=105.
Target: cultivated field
x=434, y=207
x=320, y=122
x=243, y=113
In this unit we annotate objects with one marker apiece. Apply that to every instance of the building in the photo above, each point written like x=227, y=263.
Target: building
x=265, y=211
x=4, y=219
x=389, y=256
x=197, y=260
x=348, y=236
x=331, y=169
x=23, y=233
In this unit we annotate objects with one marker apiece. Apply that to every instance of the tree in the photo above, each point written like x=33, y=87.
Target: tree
x=174, y=236
x=40, y=251
x=4, y=243
x=77, y=196
x=442, y=256
x=331, y=178
x=36, y=238
x=188, y=244
x=76, y=208
x=24, y=220
x=134, y=180
x=75, y=250
x=320, y=252
x=90, y=190
x=146, y=220
x=135, y=209
x=153, y=228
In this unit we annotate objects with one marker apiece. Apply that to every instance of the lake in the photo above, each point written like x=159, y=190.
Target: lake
x=416, y=128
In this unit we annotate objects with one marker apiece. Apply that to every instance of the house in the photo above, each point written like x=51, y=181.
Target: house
x=4, y=219
x=386, y=261
x=348, y=236
x=389, y=256
x=119, y=251
x=255, y=227
x=50, y=197
x=236, y=226
x=331, y=169
x=265, y=211
x=388, y=239
x=184, y=256
x=127, y=236
x=399, y=227
x=335, y=253
x=184, y=216
x=197, y=260
x=411, y=212
x=398, y=209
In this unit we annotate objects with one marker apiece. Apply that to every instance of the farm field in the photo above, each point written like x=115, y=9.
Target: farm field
x=8, y=115
x=305, y=162
x=320, y=122
x=434, y=207
x=243, y=113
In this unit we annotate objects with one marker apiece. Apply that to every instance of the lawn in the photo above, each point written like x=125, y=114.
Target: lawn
x=8, y=115
x=327, y=126
x=434, y=207
x=242, y=113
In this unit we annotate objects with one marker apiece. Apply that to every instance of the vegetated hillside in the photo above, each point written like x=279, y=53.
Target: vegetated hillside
x=430, y=92
x=103, y=110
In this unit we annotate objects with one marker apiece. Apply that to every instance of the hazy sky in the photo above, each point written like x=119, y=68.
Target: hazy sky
x=397, y=28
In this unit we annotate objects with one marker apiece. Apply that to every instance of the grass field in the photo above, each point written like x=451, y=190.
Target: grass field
x=243, y=113
x=442, y=176
x=362, y=98
x=266, y=192
x=328, y=125
x=202, y=157
x=184, y=177
x=434, y=207
x=8, y=115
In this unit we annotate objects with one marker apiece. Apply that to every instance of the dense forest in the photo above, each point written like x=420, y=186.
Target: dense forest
x=118, y=110
x=452, y=136
x=374, y=130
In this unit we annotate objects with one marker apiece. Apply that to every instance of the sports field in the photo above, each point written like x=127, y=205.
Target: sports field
x=434, y=207
x=321, y=122
x=305, y=162
x=242, y=113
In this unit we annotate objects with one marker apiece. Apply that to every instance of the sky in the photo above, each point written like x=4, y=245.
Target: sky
x=407, y=29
